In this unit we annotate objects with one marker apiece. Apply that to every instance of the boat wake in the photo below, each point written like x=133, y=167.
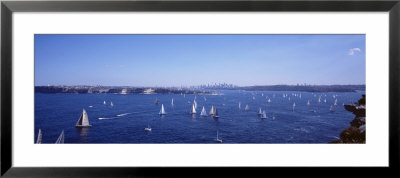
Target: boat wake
x=124, y=114
x=105, y=118
x=116, y=116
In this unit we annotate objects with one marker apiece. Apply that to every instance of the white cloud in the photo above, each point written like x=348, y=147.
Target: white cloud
x=353, y=50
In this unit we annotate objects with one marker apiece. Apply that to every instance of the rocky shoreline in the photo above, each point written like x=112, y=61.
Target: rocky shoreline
x=356, y=132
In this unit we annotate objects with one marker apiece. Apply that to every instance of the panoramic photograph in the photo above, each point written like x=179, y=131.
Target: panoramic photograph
x=200, y=89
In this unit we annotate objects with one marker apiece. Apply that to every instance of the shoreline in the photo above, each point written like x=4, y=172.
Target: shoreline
x=356, y=133
x=116, y=90
x=206, y=90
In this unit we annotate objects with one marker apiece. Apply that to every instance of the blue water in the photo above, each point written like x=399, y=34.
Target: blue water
x=126, y=120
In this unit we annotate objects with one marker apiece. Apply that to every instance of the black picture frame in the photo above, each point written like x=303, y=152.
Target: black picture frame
x=8, y=7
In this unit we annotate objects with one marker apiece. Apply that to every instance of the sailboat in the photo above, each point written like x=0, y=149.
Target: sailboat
x=104, y=102
x=212, y=111
x=156, y=101
x=335, y=102
x=247, y=107
x=148, y=128
x=162, y=111
x=195, y=103
x=217, y=139
x=83, y=120
x=259, y=111
x=331, y=109
x=112, y=104
x=239, y=105
x=269, y=100
x=172, y=101
x=60, y=139
x=308, y=103
x=216, y=113
x=294, y=105
x=325, y=100
x=203, y=112
x=39, y=137
x=263, y=115
x=193, y=110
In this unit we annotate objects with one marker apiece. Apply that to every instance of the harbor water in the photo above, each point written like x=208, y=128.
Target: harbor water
x=126, y=120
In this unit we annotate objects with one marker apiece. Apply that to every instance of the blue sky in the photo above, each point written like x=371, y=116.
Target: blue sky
x=184, y=60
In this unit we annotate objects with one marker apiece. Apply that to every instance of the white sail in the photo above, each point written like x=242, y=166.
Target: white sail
x=259, y=111
x=212, y=110
x=264, y=115
x=195, y=103
x=308, y=103
x=269, y=100
x=247, y=107
x=239, y=105
x=83, y=120
x=112, y=104
x=335, y=102
x=60, y=139
x=203, y=112
x=294, y=105
x=193, y=110
x=39, y=138
x=162, y=111
x=172, y=101
x=331, y=109
x=104, y=102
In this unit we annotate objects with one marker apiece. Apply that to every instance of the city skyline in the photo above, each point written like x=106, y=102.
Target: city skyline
x=193, y=60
